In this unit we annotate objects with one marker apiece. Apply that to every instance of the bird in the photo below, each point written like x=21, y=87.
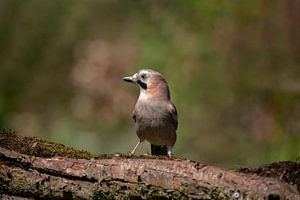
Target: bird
x=155, y=116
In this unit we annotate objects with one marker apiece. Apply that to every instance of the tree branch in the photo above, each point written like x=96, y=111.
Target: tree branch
x=121, y=176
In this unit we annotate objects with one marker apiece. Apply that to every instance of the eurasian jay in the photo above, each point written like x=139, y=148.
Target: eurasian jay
x=155, y=116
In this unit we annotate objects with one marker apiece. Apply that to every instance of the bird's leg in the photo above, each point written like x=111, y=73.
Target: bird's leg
x=136, y=146
x=169, y=150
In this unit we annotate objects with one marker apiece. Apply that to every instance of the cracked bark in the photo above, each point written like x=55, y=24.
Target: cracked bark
x=121, y=176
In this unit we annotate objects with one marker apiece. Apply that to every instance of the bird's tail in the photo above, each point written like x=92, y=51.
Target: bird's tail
x=158, y=150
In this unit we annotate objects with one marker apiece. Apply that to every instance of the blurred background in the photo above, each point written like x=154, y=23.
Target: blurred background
x=233, y=69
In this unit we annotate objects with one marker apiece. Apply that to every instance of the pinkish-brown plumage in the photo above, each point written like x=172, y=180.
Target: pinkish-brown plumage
x=154, y=114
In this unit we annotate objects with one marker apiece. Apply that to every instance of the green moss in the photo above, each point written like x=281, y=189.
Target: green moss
x=136, y=191
x=142, y=191
x=288, y=171
x=100, y=195
x=3, y=177
x=38, y=147
x=41, y=148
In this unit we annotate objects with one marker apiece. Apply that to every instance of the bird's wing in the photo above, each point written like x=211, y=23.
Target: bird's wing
x=174, y=115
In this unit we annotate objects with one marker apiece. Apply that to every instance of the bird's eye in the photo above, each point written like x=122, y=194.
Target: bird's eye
x=143, y=76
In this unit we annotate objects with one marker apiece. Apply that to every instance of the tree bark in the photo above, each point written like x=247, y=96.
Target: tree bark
x=128, y=177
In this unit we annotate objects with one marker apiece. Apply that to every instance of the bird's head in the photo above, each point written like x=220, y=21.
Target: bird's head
x=151, y=84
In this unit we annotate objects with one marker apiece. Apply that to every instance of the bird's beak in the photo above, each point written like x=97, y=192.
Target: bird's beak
x=131, y=79
x=128, y=79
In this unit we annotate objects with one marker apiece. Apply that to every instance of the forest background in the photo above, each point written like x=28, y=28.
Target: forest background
x=233, y=68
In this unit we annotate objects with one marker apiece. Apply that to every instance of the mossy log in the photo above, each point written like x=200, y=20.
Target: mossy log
x=33, y=168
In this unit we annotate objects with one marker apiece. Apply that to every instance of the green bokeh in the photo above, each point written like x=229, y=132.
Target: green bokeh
x=233, y=70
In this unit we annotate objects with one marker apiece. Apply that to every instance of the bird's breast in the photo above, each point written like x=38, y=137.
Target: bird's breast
x=153, y=123
x=151, y=114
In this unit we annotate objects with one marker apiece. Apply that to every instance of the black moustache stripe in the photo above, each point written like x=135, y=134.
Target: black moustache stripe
x=143, y=85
